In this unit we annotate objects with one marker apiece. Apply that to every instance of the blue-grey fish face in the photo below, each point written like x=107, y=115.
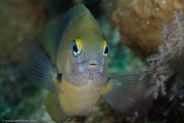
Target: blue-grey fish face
x=92, y=68
x=87, y=63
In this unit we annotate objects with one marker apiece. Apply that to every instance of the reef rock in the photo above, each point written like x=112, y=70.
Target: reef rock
x=140, y=21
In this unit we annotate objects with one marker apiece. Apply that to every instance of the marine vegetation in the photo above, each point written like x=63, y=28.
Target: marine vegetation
x=166, y=69
x=169, y=62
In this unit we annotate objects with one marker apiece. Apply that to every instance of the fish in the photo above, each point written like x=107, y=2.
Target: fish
x=72, y=66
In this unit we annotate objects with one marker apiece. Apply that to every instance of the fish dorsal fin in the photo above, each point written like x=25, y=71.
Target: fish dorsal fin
x=51, y=35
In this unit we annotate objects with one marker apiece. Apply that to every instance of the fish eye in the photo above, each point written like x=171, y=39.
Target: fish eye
x=105, y=48
x=76, y=47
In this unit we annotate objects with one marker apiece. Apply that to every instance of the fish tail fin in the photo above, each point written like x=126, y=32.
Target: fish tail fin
x=37, y=67
x=53, y=107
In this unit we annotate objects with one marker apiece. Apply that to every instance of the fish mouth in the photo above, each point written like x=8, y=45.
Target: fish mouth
x=92, y=64
x=91, y=68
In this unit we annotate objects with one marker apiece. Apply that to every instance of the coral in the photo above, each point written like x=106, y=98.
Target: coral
x=139, y=21
x=169, y=61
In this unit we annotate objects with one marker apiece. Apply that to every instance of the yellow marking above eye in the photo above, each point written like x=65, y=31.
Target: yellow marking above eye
x=79, y=42
x=104, y=43
x=105, y=48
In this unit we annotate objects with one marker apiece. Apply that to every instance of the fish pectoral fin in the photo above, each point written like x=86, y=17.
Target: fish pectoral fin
x=53, y=107
x=127, y=94
x=37, y=67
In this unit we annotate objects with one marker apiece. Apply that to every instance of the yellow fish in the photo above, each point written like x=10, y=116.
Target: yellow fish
x=75, y=69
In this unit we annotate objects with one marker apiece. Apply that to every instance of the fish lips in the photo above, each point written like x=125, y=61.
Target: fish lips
x=91, y=68
x=89, y=71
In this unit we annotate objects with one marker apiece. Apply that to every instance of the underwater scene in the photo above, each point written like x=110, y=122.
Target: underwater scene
x=91, y=61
